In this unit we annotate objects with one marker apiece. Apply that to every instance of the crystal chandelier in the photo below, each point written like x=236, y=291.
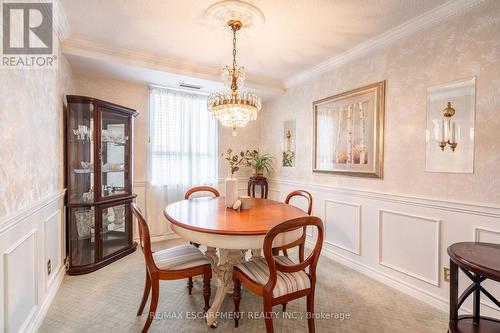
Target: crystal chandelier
x=235, y=108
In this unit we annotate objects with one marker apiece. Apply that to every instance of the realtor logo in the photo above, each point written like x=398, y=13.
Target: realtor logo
x=27, y=37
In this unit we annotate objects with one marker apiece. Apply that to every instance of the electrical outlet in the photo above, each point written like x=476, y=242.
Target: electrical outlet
x=49, y=267
x=446, y=274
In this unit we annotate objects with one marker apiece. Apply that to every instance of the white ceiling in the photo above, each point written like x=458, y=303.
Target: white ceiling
x=296, y=35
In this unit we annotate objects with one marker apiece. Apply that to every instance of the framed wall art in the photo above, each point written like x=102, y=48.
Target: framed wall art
x=349, y=132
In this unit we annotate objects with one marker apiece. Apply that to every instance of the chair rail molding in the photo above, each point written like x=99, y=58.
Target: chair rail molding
x=10, y=221
x=481, y=209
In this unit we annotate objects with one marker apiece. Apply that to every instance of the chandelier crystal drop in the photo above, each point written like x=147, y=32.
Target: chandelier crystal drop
x=234, y=108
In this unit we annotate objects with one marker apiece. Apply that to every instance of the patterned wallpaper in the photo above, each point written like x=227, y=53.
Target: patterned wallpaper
x=31, y=135
x=136, y=95
x=460, y=47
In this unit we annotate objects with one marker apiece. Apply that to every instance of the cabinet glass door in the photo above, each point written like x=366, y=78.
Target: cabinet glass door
x=81, y=153
x=115, y=225
x=114, y=154
x=82, y=236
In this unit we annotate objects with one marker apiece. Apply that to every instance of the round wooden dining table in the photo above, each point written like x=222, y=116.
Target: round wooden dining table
x=228, y=234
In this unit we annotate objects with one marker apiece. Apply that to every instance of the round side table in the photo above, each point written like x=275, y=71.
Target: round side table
x=258, y=181
x=479, y=261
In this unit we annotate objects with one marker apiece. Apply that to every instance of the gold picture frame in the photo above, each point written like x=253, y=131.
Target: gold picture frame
x=349, y=136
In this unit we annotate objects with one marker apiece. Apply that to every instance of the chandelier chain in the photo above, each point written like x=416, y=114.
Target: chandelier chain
x=234, y=109
x=234, y=50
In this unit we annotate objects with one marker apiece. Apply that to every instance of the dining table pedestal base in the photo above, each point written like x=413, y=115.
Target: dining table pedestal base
x=222, y=271
x=229, y=235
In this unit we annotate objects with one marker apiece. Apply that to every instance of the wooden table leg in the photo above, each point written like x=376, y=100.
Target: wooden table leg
x=476, y=299
x=453, y=293
x=222, y=269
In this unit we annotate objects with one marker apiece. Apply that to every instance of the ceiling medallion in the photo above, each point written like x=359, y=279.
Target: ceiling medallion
x=234, y=108
x=218, y=14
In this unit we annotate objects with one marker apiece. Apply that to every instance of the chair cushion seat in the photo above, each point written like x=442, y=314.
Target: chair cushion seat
x=180, y=257
x=287, y=283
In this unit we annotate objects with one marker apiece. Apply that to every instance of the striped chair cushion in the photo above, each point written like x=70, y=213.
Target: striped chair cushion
x=180, y=257
x=287, y=283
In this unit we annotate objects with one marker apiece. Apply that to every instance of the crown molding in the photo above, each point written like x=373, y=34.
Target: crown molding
x=82, y=47
x=60, y=23
x=437, y=15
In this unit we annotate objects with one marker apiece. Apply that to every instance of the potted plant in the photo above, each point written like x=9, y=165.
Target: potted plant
x=235, y=160
x=259, y=162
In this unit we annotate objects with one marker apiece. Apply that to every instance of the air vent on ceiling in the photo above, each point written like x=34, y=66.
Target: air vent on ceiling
x=189, y=86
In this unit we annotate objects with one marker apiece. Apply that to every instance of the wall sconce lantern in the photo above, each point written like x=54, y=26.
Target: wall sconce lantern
x=288, y=145
x=449, y=134
x=446, y=131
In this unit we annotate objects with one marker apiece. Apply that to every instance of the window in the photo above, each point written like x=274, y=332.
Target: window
x=183, y=147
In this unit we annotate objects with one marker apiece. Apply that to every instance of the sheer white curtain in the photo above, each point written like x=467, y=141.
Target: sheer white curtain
x=183, y=146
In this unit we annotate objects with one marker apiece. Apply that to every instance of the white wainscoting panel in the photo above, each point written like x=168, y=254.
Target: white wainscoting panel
x=140, y=188
x=486, y=235
x=28, y=239
x=20, y=283
x=415, y=233
x=409, y=244
x=52, y=236
x=342, y=221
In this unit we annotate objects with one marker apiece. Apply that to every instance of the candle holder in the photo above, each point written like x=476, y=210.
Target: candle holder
x=446, y=131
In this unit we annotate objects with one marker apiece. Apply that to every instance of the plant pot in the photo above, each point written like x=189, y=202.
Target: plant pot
x=259, y=173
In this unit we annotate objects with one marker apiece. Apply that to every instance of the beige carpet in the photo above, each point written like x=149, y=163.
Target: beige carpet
x=107, y=301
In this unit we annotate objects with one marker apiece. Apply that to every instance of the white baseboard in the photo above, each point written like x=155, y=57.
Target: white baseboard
x=49, y=297
x=164, y=237
x=422, y=295
x=168, y=236
x=417, y=293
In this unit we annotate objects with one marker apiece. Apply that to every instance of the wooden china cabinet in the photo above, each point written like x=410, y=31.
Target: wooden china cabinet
x=99, y=183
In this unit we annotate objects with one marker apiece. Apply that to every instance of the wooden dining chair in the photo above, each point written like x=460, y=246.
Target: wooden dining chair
x=302, y=240
x=195, y=189
x=277, y=278
x=188, y=194
x=174, y=263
